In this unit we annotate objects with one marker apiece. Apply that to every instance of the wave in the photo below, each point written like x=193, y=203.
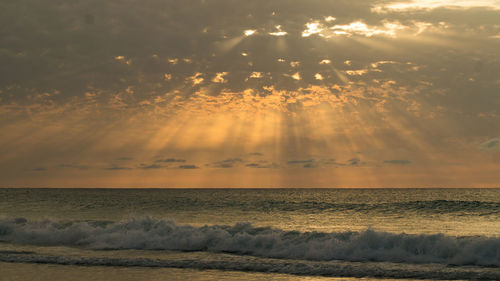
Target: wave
x=244, y=239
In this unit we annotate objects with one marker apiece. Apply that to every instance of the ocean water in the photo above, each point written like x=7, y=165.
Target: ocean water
x=249, y=234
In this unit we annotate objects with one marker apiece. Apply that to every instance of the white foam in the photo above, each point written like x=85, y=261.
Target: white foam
x=244, y=239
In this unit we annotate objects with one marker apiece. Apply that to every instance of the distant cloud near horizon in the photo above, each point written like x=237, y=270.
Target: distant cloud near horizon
x=117, y=168
x=39, y=169
x=293, y=162
x=170, y=160
x=397, y=162
x=227, y=163
x=74, y=166
x=263, y=165
x=188, y=167
x=151, y=166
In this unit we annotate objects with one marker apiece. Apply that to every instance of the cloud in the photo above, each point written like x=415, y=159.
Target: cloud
x=170, y=160
x=227, y=163
x=151, y=166
x=293, y=162
x=117, y=168
x=307, y=163
x=310, y=165
x=354, y=161
x=190, y=52
x=74, y=166
x=262, y=165
x=492, y=144
x=39, y=169
x=403, y=6
x=123, y=78
x=188, y=167
x=397, y=162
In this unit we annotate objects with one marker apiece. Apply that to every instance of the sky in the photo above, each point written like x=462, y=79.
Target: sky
x=233, y=93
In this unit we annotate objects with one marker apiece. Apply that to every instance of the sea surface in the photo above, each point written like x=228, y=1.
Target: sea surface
x=249, y=234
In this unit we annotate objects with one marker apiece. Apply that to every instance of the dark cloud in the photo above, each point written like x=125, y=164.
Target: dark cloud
x=117, y=168
x=227, y=163
x=170, y=160
x=104, y=49
x=310, y=165
x=293, y=162
x=263, y=165
x=74, y=166
x=188, y=167
x=39, y=169
x=397, y=162
x=354, y=161
x=151, y=166
x=330, y=161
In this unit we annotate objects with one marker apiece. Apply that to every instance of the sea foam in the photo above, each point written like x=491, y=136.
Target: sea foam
x=244, y=239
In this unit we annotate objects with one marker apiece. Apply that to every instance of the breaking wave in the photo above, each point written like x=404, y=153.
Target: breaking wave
x=244, y=239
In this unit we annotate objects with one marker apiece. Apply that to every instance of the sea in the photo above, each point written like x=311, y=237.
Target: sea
x=249, y=234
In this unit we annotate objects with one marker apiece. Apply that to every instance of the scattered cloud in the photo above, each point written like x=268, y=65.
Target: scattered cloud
x=256, y=74
x=397, y=162
x=196, y=79
x=361, y=28
x=330, y=18
x=170, y=160
x=151, y=166
x=296, y=76
x=294, y=162
x=403, y=6
x=358, y=72
x=249, y=32
x=310, y=165
x=117, y=168
x=354, y=161
x=188, y=167
x=314, y=27
x=278, y=31
x=219, y=77
x=262, y=165
x=74, y=166
x=227, y=163
x=39, y=169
